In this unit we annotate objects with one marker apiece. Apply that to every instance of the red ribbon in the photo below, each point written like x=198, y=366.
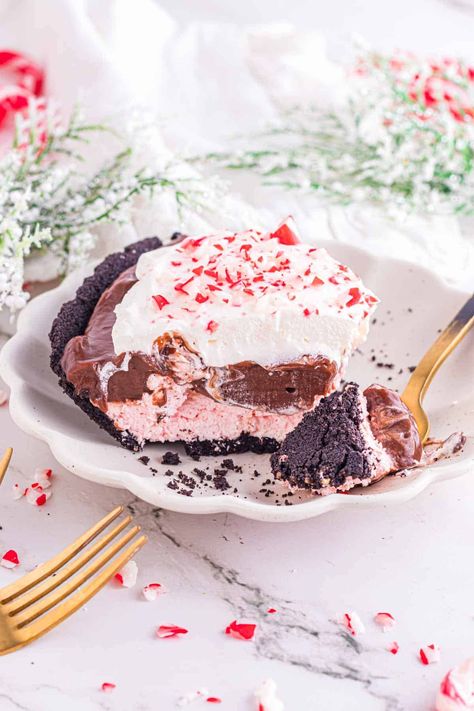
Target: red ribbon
x=25, y=81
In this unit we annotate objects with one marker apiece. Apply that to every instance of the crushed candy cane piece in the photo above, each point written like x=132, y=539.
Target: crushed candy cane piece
x=456, y=692
x=107, y=686
x=42, y=498
x=35, y=495
x=286, y=232
x=266, y=696
x=3, y=398
x=127, y=576
x=165, y=631
x=193, y=696
x=384, y=620
x=10, y=559
x=31, y=492
x=17, y=492
x=353, y=623
x=430, y=654
x=43, y=477
x=150, y=591
x=160, y=301
x=213, y=700
x=393, y=648
x=271, y=610
x=239, y=630
x=212, y=326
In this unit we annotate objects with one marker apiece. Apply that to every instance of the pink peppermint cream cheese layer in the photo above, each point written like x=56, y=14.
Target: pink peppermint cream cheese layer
x=187, y=415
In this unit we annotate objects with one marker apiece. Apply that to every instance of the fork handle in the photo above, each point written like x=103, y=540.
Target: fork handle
x=4, y=462
x=436, y=355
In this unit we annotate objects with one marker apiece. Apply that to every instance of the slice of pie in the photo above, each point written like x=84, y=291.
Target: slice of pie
x=221, y=342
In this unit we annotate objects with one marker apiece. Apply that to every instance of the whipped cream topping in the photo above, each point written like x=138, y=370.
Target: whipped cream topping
x=234, y=297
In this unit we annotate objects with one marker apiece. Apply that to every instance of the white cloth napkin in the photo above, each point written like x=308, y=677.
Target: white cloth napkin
x=208, y=82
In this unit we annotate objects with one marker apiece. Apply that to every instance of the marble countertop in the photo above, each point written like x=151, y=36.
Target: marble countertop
x=412, y=560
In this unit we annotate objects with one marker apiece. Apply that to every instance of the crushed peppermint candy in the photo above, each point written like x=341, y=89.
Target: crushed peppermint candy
x=160, y=301
x=167, y=631
x=213, y=700
x=3, y=397
x=212, y=326
x=35, y=493
x=42, y=498
x=239, y=630
x=353, y=623
x=393, y=648
x=43, y=477
x=36, y=496
x=456, y=691
x=272, y=610
x=150, y=592
x=430, y=654
x=127, y=576
x=266, y=696
x=10, y=559
x=107, y=686
x=384, y=620
x=287, y=232
x=191, y=696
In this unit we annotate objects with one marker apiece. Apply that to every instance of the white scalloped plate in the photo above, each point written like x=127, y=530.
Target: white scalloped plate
x=415, y=303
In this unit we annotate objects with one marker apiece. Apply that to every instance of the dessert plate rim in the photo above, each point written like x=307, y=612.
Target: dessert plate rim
x=30, y=421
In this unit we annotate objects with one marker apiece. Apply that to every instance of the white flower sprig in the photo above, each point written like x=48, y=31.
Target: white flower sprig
x=404, y=139
x=48, y=204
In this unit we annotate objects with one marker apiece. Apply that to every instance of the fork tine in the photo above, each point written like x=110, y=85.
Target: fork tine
x=4, y=462
x=53, y=564
x=74, y=602
x=20, y=602
x=46, y=603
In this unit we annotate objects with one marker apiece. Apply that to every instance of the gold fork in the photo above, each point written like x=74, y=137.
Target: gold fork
x=40, y=600
x=4, y=462
x=423, y=374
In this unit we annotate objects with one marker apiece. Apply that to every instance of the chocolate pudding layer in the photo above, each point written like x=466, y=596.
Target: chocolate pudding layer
x=93, y=368
x=84, y=355
x=393, y=426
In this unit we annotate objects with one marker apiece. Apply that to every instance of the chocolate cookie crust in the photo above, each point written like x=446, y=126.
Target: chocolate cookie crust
x=222, y=447
x=327, y=446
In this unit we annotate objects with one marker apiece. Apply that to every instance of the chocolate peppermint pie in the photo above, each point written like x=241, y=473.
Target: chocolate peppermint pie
x=221, y=342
